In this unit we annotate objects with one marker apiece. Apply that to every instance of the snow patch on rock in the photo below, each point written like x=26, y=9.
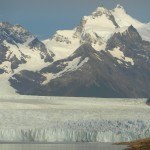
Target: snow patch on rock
x=70, y=66
x=117, y=53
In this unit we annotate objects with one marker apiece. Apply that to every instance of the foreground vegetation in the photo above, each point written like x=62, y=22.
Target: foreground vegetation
x=148, y=101
x=143, y=144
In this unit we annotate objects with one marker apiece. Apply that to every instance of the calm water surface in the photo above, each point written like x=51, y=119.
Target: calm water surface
x=79, y=146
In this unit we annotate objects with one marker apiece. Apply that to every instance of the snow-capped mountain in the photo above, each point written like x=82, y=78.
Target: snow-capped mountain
x=19, y=50
x=95, y=29
x=19, y=46
x=106, y=55
x=121, y=70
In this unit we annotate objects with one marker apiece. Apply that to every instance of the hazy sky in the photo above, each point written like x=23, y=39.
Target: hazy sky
x=44, y=17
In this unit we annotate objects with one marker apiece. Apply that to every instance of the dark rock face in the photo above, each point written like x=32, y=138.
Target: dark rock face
x=15, y=62
x=2, y=71
x=84, y=82
x=100, y=76
x=89, y=80
x=44, y=53
x=13, y=34
x=27, y=81
x=129, y=39
x=3, y=51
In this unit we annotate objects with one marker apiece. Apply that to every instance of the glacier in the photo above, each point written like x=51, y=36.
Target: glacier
x=94, y=131
x=62, y=119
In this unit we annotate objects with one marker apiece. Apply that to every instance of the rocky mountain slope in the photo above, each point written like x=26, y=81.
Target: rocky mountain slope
x=106, y=55
x=115, y=72
x=19, y=50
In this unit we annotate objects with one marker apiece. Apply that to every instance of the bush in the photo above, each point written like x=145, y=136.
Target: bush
x=148, y=101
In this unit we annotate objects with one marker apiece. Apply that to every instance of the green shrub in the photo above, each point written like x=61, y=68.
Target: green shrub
x=148, y=101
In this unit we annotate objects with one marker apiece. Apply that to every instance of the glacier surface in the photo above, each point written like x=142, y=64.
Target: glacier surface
x=61, y=119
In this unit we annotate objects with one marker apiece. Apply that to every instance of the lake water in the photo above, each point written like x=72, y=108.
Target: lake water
x=77, y=146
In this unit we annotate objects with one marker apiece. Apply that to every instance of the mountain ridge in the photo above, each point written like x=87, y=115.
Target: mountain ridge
x=95, y=29
x=92, y=73
x=104, y=56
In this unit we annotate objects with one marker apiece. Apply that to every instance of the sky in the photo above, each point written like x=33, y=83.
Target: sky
x=44, y=17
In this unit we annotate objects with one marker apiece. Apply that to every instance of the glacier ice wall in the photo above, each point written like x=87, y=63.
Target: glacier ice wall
x=81, y=131
x=53, y=119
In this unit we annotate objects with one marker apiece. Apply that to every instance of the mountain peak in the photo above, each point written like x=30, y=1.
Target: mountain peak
x=20, y=29
x=119, y=8
x=100, y=11
x=86, y=47
x=131, y=28
x=5, y=24
x=18, y=26
x=101, y=8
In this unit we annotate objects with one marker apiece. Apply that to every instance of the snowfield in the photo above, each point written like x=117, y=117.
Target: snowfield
x=61, y=119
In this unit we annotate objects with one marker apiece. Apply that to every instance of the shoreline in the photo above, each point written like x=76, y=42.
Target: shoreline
x=142, y=144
